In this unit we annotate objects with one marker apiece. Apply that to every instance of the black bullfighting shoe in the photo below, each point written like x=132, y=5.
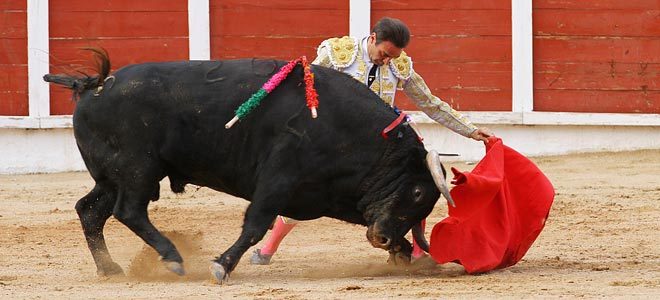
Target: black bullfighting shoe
x=260, y=259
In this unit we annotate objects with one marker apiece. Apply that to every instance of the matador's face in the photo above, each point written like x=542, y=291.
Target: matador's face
x=382, y=52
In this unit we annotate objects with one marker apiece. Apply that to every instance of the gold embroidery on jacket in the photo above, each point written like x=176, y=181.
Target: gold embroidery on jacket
x=401, y=66
x=387, y=87
x=375, y=87
x=343, y=51
x=384, y=73
x=361, y=67
x=322, y=59
x=387, y=99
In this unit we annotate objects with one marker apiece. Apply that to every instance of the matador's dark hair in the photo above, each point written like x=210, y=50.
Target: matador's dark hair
x=392, y=30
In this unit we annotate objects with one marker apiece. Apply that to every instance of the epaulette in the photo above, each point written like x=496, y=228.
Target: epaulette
x=401, y=66
x=343, y=51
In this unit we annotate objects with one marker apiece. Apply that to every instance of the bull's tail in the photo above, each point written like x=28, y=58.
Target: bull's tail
x=85, y=82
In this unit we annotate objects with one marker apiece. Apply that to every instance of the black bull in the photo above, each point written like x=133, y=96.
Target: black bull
x=155, y=120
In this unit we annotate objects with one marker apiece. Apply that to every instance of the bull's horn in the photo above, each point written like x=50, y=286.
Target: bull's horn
x=433, y=163
x=418, y=235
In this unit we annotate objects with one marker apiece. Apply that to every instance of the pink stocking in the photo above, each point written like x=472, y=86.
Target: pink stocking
x=279, y=231
x=417, y=251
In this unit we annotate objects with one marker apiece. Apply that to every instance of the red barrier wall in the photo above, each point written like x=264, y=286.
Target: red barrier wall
x=589, y=56
x=132, y=31
x=278, y=29
x=13, y=58
x=597, y=56
x=462, y=49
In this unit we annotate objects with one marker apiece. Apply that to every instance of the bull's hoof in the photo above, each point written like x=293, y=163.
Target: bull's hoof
x=175, y=267
x=398, y=258
x=110, y=270
x=260, y=259
x=419, y=257
x=218, y=271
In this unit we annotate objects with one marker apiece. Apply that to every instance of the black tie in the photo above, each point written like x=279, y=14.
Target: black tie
x=372, y=75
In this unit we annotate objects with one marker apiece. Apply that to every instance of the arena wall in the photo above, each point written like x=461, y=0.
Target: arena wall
x=549, y=77
x=13, y=59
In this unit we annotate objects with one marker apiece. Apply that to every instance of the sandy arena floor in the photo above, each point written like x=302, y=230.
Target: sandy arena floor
x=602, y=239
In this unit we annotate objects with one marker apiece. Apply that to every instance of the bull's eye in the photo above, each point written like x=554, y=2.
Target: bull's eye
x=417, y=193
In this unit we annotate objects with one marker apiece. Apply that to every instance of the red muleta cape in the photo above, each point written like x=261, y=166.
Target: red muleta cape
x=501, y=208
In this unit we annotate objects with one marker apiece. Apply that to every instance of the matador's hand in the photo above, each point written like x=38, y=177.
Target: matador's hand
x=481, y=134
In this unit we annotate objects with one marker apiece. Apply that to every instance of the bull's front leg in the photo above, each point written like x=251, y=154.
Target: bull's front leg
x=271, y=196
x=278, y=176
x=255, y=225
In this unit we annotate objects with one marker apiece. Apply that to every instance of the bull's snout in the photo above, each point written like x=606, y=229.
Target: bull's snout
x=400, y=249
x=382, y=242
x=377, y=240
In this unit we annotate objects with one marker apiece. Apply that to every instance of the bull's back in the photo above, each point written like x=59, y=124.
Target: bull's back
x=173, y=115
x=153, y=96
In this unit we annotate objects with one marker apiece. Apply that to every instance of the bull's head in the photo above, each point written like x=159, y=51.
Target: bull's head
x=415, y=194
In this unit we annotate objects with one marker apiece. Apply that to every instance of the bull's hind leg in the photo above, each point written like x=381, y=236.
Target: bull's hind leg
x=94, y=210
x=131, y=210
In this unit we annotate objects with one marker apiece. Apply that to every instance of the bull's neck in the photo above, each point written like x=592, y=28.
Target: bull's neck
x=376, y=185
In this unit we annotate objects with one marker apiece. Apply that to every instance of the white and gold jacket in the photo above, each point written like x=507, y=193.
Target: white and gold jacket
x=349, y=55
